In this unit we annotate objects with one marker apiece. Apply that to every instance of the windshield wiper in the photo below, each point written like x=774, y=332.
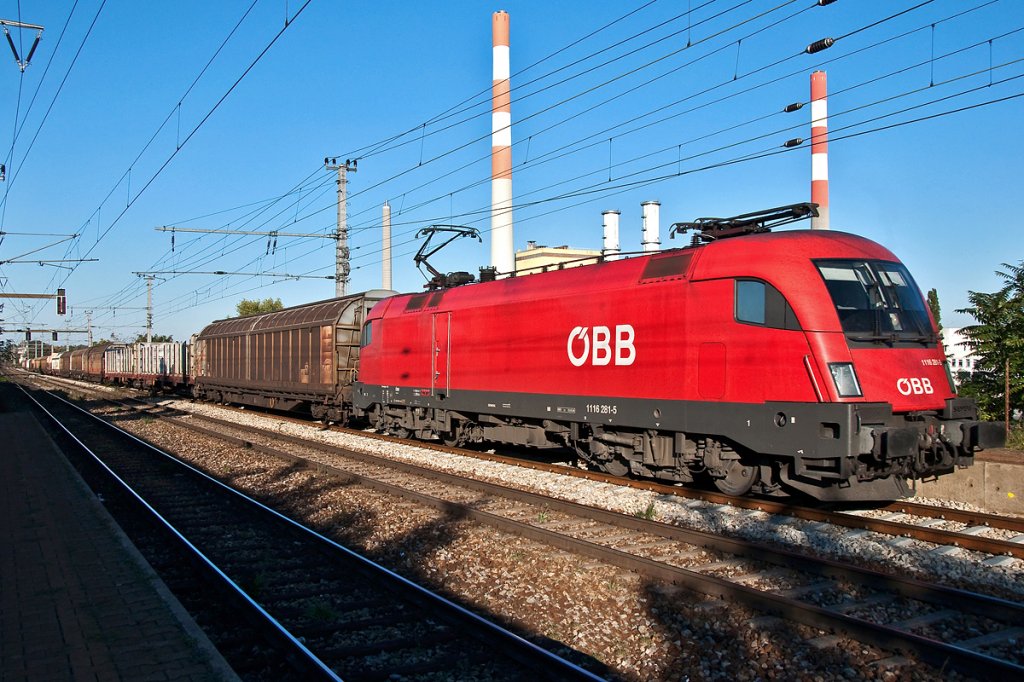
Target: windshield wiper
x=893, y=337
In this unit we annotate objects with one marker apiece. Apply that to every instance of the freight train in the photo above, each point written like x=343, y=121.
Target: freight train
x=784, y=362
x=157, y=366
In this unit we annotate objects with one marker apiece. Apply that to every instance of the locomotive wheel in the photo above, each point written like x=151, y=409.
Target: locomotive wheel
x=739, y=478
x=615, y=466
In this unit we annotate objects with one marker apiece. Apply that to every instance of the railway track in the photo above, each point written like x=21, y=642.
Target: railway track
x=900, y=519
x=973, y=633
x=1000, y=536
x=330, y=613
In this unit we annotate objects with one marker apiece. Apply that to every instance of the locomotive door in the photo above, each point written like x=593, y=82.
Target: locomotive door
x=440, y=370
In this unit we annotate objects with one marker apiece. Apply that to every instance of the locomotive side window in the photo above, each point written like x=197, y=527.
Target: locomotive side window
x=367, y=337
x=750, y=301
x=762, y=304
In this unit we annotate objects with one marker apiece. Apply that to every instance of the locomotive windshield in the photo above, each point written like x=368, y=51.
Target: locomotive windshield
x=877, y=301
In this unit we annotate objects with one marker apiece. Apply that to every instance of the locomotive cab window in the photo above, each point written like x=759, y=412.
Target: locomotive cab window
x=367, y=336
x=877, y=301
x=760, y=303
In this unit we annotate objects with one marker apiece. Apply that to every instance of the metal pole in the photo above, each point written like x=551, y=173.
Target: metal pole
x=1006, y=396
x=341, y=256
x=149, y=309
x=342, y=267
x=88, y=321
x=386, y=250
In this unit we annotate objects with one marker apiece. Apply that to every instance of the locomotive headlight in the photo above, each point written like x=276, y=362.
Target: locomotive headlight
x=845, y=379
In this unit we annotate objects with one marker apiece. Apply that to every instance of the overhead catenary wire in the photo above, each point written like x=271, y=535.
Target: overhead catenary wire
x=195, y=129
x=837, y=135
x=740, y=24
x=53, y=101
x=42, y=79
x=601, y=140
x=446, y=194
x=521, y=120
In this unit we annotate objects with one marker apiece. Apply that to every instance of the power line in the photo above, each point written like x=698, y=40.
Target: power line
x=199, y=125
x=558, y=198
x=53, y=101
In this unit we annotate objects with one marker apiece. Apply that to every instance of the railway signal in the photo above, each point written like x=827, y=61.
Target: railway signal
x=62, y=305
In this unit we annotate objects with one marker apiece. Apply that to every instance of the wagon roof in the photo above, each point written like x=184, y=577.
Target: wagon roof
x=309, y=314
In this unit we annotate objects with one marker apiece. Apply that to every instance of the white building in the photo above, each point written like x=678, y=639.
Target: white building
x=543, y=258
x=960, y=357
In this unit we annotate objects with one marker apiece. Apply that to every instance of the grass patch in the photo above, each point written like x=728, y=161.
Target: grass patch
x=646, y=514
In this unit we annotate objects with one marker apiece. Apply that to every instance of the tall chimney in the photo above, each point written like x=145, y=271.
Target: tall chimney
x=610, y=220
x=819, y=149
x=651, y=225
x=502, y=249
x=386, y=249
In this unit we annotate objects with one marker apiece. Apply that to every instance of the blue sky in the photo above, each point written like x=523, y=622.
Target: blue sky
x=941, y=193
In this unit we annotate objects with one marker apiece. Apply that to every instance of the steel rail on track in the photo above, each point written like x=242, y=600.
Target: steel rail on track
x=973, y=518
x=978, y=603
x=515, y=646
x=936, y=536
x=888, y=527
x=314, y=664
x=884, y=636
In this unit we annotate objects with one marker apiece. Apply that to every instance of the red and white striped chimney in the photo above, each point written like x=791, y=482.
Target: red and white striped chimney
x=502, y=245
x=819, y=149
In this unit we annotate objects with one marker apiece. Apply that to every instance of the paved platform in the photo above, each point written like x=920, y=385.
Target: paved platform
x=77, y=600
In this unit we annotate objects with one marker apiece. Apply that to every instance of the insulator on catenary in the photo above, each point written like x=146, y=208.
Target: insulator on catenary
x=795, y=142
x=822, y=3
x=819, y=45
x=795, y=106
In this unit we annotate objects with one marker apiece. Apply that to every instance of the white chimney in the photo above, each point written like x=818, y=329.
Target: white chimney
x=386, y=250
x=611, y=235
x=651, y=240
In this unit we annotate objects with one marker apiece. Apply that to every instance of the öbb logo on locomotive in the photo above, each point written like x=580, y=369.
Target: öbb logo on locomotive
x=600, y=340
x=914, y=386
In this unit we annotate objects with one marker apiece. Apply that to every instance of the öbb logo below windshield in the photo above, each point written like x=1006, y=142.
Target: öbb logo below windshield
x=599, y=348
x=914, y=386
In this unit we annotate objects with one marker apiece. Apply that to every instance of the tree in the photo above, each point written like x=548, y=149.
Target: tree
x=157, y=338
x=933, y=303
x=248, y=307
x=7, y=352
x=998, y=342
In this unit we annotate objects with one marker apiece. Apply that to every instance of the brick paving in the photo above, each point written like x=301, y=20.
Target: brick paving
x=77, y=601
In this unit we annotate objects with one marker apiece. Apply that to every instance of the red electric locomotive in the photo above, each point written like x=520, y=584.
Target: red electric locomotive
x=799, y=361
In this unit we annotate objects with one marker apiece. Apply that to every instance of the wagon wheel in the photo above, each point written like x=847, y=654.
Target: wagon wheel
x=739, y=478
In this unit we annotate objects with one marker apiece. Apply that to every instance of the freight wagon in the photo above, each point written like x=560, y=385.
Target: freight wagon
x=306, y=356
